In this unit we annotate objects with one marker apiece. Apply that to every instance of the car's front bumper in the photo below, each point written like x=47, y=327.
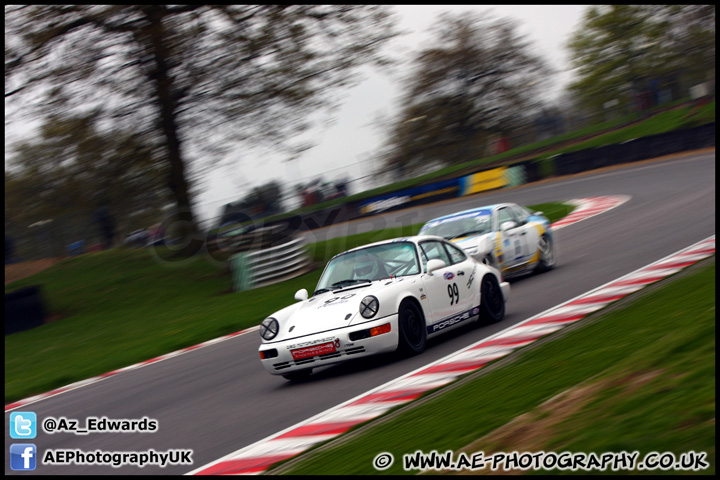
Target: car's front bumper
x=281, y=361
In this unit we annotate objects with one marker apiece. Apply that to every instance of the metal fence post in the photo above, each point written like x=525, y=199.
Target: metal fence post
x=242, y=277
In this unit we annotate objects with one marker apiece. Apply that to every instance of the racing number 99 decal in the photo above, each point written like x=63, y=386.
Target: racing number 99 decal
x=454, y=294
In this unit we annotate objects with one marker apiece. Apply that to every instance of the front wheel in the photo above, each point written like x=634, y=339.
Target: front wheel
x=413, y=336
x=492, y=302
x=546, y=247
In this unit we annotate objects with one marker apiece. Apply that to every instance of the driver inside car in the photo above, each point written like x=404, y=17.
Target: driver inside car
x=369, y=267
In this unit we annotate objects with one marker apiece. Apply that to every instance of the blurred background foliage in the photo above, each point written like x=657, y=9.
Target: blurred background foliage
x=479, y=79
x=626, y=53
x=185, y=79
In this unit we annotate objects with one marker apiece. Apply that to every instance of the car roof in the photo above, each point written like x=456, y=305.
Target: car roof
x=412, y=238
x=471, y=210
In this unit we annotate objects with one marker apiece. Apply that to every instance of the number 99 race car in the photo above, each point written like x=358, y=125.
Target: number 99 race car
x=381, y=297
x=506, y=236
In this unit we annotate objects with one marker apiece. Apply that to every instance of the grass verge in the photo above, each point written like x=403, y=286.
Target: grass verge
x=639, y=377
x=115, y=308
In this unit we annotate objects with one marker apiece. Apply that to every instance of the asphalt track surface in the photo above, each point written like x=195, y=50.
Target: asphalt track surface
x=218, y=399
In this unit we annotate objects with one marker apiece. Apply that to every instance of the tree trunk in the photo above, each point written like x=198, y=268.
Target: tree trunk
x=183, y=221
x=167, y=105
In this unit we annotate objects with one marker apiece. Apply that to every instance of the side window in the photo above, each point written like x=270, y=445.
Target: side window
x=456, y=254
x=521, y=214
x=432, y=250
x=504, y=215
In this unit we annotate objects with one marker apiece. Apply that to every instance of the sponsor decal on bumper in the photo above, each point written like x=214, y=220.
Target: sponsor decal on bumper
x=313, y=351
x=309, y=343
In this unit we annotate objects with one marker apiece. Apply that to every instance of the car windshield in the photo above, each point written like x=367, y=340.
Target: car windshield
x=395, y=259
x=474, y=223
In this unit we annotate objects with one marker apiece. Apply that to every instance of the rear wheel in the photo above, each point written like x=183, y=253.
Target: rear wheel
x=492, y=303
x=413, y=336
x=546, y=247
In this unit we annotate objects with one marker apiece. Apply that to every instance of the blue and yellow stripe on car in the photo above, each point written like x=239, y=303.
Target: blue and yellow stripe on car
x=541, y=231
x=498, y=248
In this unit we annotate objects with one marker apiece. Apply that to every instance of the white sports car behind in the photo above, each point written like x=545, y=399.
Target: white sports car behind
x=506, y=236
x=378, y=298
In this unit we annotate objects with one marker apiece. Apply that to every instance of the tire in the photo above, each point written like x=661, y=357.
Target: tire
x=492, y=303
x=298, y=376
x=413, y=335
x=487, y=260
x=546, y=246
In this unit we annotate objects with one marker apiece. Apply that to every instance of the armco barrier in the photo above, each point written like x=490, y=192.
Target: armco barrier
x=483, y=181
x=643, y=148
x=515, y=176
x=271, y=265
x=412, y=196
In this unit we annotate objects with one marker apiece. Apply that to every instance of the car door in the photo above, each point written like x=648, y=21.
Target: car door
x=443, y=291
x=532, y=231
x=467, y=275
x=514, y=241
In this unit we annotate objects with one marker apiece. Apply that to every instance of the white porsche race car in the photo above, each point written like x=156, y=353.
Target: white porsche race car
x=388, y=295
x=506, y=236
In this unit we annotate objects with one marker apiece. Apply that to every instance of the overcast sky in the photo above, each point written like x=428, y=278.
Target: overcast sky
x=344, y=148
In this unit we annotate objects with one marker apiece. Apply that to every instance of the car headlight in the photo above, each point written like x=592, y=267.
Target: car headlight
x=269, y=328
x=369, y=306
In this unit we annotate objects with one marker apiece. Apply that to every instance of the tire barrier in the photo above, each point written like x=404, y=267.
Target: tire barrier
x=24, y=309
x=258, y=268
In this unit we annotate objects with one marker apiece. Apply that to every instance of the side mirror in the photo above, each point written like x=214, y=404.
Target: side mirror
x=508, y=226
x=435, y=264
x=301, y=295
x=485, y=246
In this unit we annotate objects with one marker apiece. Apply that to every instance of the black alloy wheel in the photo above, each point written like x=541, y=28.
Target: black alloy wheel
x=492, y=303
x=413, y=336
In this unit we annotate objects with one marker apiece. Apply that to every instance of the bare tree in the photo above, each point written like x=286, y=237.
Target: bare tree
x=190, y=75
x=69, y=168
x=479, y=78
